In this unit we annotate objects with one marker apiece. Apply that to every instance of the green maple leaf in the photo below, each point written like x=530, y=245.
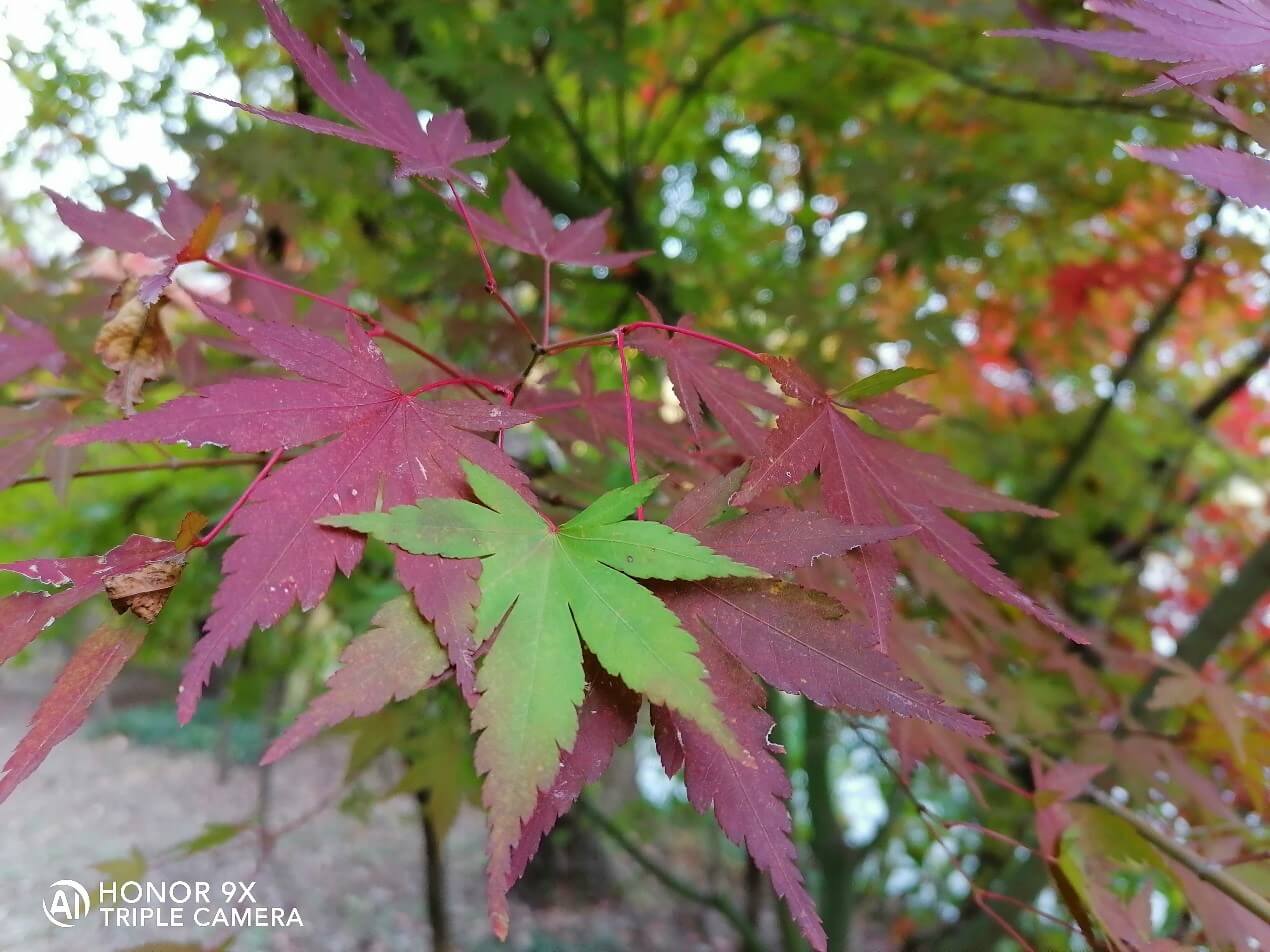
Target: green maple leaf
x=542, y=586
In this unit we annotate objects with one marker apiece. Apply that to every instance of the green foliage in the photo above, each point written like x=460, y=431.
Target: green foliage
x=213, y=731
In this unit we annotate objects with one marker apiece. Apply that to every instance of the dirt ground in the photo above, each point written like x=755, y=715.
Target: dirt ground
x=357, y=886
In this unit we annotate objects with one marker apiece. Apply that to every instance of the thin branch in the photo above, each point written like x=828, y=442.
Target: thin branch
x=1223, y=614
x=932, y=822
x=240, y=502
x=374, y=327
x=606, y=337
x=462, y=382
x=690, y=89
x=284, y=286
x=491, y=282
x=165, y=466
x=628, y=410
x=1232, y=385
x=678, y=886
x=546, y=302
x=586, y=155
x=1216, y=877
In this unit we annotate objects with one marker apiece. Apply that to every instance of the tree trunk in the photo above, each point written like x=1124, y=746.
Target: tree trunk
x=826, y=836
x=434, y=879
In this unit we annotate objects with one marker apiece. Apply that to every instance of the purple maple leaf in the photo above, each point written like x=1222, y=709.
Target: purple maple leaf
x=382, y=117
x=871, y=481
x=25, y=345
x=531, y=229
x=1205, y=39
x=184, y=233
x=701, y=385
x=1237, y=174
x=24, y=615
x=386, y=444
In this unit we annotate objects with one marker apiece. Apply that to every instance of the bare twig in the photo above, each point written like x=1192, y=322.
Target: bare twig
x=166, y=465
x=680, y=887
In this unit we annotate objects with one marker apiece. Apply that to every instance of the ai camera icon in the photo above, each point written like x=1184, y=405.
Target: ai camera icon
x=68, y=904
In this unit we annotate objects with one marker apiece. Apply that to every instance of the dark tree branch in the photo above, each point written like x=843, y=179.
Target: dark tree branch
x=827, y=843
x=434, y=878
x=691, y=88
x=1138, y=349
x=680, y=887
x=1223, y=615
x=1203, y=411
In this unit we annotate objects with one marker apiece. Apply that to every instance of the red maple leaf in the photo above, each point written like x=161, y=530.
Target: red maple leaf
x=701, y=385
x=388, y=445
x=797, y=640
x=598, y=417
x=748, y=803
x=606, y=720
x=381, y=116
x=26, y=433
x=24, y=615
x=185, y=232
x=867, y=480
x=272, y=303
x=24, y=346
x=1204, y=39
x=95, y=663
x=530, y=229
x=395, y=660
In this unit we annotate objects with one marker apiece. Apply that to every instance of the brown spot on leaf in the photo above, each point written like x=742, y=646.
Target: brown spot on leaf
x=145, y=591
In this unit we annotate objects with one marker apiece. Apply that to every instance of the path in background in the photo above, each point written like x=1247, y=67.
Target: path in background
x=358, y=886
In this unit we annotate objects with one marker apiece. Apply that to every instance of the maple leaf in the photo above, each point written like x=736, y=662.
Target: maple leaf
x=24, y=346
x=531, y=229
x=385, y=442
x=381, y=116
x=1185, y=686
x=791, y=653
x=915, y=741
x=606, y=720
x=134, y=344
x=1054, y=787
x=396, y=659
x=749, y=804
x=699, y=384
x=276, y=304
x=598, y=417
x=1206, y=39
x=547, y=590
x=875, y=397
x=1238, y=174
x=797, y=640
x=26, y=433
x=24, y=615
x=185, y=233
x=95, y=663
x=867, y=480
